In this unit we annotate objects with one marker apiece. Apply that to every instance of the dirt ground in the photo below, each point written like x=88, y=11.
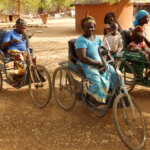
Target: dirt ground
x=24, y=127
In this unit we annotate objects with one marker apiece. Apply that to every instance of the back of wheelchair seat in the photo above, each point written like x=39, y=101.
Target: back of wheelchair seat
x=2, y=56
x=2, y=35
x=72, y=56
x=126, y=37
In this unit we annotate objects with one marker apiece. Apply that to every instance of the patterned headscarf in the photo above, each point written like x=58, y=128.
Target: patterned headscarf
x=87, y=19
x=139, y=15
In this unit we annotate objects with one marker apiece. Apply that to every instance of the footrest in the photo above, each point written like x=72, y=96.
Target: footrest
x=98, y=111
x=15, y=84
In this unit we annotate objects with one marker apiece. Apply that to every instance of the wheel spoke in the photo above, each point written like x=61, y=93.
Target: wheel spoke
x=1, y=81
x=129, y=122
x=128, y=75
x=64, y=88
x=40, y=86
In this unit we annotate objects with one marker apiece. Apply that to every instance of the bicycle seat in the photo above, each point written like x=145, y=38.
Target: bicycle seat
x=126, y=37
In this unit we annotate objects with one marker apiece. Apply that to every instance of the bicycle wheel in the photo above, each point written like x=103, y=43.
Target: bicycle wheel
x=1, y=81
x=129, y=122
x=40, y=86
x=128, y=75
x=64, y=88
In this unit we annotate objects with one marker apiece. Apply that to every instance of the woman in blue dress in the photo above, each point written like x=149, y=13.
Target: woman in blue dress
x=87, y=51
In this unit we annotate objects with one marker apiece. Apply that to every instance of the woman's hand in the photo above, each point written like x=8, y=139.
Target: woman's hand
x=99, y=64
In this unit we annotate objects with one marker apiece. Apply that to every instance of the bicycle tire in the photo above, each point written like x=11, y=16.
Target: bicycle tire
x=129, y=120
x=64, y=88
x=40, y=86
x=1, y=80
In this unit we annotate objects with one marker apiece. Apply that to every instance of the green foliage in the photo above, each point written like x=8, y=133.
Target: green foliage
x=113, y=1
x=5, y=4
x=61, y=4
x=11, y=6
x=31, y=6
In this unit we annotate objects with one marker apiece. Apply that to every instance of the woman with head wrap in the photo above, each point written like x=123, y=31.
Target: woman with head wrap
x=138, y=45
x=109, y=19
x=87, y=52
x=142, y=18
x=138, y=42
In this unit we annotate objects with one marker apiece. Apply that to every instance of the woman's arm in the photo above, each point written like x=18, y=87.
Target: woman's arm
x=81, y=54
x=7, y=44
x=132, y=48
x=8, y=40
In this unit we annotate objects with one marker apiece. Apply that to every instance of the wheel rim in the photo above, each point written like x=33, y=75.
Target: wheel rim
x=40, y=86
x=130, y=123
x=128, y=75
x=1, y=81
x=64, y=88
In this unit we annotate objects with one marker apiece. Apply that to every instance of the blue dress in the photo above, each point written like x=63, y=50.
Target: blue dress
x=99, y=83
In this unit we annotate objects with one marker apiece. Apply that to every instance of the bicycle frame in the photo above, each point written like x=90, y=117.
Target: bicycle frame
x=120, y=88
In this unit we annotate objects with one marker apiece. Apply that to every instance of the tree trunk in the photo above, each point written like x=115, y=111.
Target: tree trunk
x=19, y=8
x=44, y=18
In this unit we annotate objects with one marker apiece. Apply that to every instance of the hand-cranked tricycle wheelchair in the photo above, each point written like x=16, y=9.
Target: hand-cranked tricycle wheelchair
x=133, y=66
x=70, y=85
x=36, y=77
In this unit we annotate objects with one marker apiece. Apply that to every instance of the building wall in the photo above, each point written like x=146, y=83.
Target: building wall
x=5, y=18
x=124, y=15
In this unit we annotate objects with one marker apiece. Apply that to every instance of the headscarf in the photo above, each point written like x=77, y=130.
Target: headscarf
x=139, y=15
x=87, y=19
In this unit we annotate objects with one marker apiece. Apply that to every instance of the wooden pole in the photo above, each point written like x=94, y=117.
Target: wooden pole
x=19, y=8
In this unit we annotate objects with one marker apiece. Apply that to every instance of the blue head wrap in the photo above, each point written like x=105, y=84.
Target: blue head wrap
x=139, y=15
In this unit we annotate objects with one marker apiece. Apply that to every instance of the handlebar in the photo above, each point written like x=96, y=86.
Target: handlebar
x=27, y=37
x=103, y=52
x=36, y=31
